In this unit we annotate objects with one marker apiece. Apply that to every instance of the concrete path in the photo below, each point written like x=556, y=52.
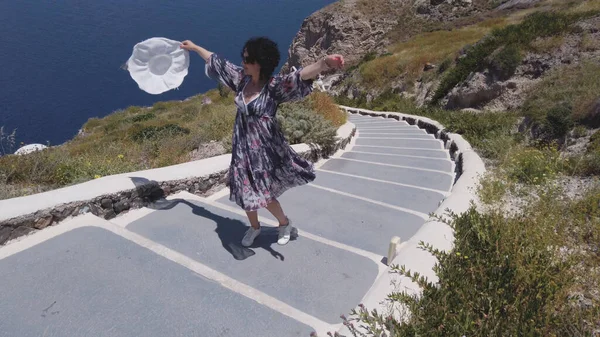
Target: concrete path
x=178, y=269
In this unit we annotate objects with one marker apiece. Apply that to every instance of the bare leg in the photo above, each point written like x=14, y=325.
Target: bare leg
x=275, y=208
x=253, y=218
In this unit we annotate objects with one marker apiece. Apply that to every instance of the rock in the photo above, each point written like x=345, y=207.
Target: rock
x=592, y=118
x=477, y=91
x=44, y=222
x=517, y=4
x=436, y=2
x=150, y=190
x=207, y=150
x=89, y=208
x=471, y=110
x=511, y=85
x=204, y=185
x=428, y=66
x=423, y=9
x=137, y=203
x=20, y=231
x=110, y=215
x=121, y=206
x=206, y=101
x=341, y=28
x=106, y=203
x=424, y=91
x=5, y=234
x=62, y=213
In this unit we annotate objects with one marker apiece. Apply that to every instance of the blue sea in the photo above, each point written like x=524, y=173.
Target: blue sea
x=61, y=59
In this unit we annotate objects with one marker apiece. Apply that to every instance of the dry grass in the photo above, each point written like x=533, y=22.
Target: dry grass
x=376, y=8
x=589, y=43
x=411, y=56
x=324, y=105
x=585, y=6
x=548, y=44
x=578, y=86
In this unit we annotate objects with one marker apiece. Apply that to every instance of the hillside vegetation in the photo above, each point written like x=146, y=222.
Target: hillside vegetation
x=165, y=134
x=526, y=261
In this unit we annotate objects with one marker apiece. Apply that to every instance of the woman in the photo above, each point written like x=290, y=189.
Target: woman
x=263, y=165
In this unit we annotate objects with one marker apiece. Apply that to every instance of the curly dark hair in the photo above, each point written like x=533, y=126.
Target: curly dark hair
x=263, y=51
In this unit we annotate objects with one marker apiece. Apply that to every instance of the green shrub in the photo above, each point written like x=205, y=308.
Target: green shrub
x=489, y=132
x=505, y=276
x=533, y=166
x=143, y=117
x=505, y=62
x=158, y=132
x=594, y=144
x=301, y=125
x=516, y=37
x=559, y=121
x=445, y=65
x=588, y=163
x=575, y=87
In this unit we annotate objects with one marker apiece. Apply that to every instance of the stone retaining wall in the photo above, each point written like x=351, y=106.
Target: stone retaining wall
x=144, y=193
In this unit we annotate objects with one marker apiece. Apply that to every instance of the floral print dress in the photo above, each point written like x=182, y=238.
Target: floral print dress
x=263, y=165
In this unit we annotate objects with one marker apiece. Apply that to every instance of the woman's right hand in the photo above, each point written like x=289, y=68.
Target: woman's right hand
x=188, y=45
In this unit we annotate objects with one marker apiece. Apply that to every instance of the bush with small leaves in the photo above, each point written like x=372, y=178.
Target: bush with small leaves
x=504, y=63
x=559, y=121
x=143, y=117
x=302, y=125
x=533, y=166
x=156, y=132
x=503, y=277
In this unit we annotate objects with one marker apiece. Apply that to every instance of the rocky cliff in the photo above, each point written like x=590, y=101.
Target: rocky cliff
x=354, y=28
x=362, y=28
x=339, y=28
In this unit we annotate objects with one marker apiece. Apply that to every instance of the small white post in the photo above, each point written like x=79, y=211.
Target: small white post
x=394, y=243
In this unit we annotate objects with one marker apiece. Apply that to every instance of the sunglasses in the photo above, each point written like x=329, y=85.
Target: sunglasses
x=247, y=59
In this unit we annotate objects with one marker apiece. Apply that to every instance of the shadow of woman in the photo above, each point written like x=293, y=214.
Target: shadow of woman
x=230, y=231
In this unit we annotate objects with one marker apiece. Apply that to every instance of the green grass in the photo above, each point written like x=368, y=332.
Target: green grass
x=565, y=98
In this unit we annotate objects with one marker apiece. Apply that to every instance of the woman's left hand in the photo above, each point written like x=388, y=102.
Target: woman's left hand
x=335, y=61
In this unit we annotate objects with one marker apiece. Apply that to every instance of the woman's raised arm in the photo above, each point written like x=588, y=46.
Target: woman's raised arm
x=311, y=71
x=190, y=46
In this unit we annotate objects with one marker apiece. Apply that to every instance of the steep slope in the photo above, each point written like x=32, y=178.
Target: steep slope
x=356, y=27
